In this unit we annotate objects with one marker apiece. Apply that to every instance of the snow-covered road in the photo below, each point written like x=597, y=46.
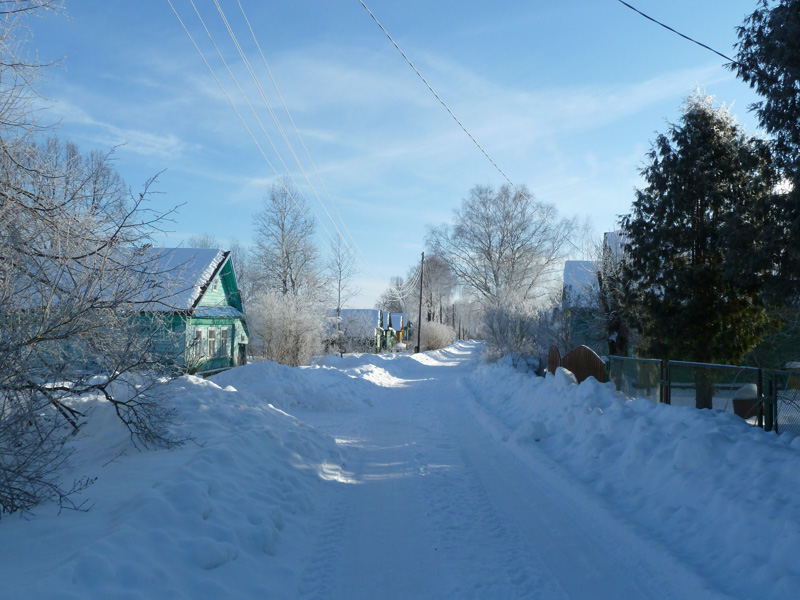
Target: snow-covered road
x=436, y=505
x=427, y=476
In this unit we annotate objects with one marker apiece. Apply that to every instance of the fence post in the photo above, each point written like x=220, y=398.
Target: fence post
x=665, y=382
x=762, y=405
x=770, y=402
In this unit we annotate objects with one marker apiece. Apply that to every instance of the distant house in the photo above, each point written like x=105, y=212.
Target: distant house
x=578, y=302
x=580, y=283
x=199, y=296
x=369, y=330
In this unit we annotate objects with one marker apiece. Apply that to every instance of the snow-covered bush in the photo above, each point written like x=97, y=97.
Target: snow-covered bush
x=511, y=330
x=435, y=336
x=285, y=328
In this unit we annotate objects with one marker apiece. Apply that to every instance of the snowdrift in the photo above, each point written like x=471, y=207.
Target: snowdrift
x=711, y=487
x=191, y=523
x=231, y=514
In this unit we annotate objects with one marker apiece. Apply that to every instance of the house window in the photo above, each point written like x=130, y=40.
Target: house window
x=212, y=341
x=215, y=284
x=197, y=343
x=225, y=336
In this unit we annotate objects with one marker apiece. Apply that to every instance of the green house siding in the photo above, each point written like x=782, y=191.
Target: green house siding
x=211, y=334
x=218, y=339
x=214, y=343
x=215, y=294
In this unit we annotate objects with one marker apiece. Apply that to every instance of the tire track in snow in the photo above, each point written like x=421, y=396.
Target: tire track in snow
x=485, y=556
x=315, y=580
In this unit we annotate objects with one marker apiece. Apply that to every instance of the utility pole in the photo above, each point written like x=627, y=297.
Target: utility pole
x=419, y=321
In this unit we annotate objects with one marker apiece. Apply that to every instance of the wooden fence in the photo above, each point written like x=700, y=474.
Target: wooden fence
x=583, y=362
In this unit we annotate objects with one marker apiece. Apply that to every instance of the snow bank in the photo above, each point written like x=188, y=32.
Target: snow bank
x=714, y=489
x=310, y=388
x=190, y=523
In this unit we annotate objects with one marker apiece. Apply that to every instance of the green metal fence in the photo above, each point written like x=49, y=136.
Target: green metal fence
x=636, y=377
x=783, y=388
x=766, y=398
x=720, y=387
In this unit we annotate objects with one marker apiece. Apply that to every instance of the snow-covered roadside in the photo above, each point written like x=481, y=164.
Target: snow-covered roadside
x=715, y=490
x=266, y=506
x=196, y=522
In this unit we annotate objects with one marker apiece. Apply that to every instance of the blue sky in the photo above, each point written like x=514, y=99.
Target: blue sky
x=565, y=96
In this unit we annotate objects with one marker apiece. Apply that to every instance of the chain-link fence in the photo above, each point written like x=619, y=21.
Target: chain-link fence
x=731, y=389
x=766, y=398
x=784, y=387
x=636, y=377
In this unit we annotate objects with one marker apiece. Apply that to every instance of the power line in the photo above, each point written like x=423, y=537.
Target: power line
x=252, y=110
x=299, y=137
x=686, y=37
x=361, y=255
x=464, y=129
x=260, y=123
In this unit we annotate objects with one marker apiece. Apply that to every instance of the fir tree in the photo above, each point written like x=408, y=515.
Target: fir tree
x=768, y=59
x=688, y=297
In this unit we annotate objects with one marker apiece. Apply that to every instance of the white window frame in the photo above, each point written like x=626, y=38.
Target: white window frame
x=212, y=342
x=224, y=341
x=198, y=348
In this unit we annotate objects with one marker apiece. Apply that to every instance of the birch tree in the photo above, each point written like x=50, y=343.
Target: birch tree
x=502, y=245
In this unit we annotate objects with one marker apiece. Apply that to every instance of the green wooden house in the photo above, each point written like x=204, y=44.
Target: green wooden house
x=206, y=326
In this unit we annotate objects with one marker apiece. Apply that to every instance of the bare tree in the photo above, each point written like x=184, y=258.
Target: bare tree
x=203, y=240
x=438, y=289
x=395, y=297
x=342, y=269
x=287, y=310
x=285, y=255
x=75, y=276
x=502, y=245
x=74, y=271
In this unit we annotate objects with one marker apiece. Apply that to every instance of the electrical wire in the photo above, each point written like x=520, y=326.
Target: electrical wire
x=464, y=129
x=255, y=115
x=363, y=258
x=686, y=37
x=275, y=119
x=263, y=129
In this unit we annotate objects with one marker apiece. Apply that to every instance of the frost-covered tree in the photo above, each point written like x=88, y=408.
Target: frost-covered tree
x=438, y=289
x=287, y=309
x=75, y=276
x=505, y=249
x=502, y=245
x=688, y=297
x=285, y=254
x=396, y=297
x=768, y=59
x=341, y=269
x=285, y=328
x=74, y=272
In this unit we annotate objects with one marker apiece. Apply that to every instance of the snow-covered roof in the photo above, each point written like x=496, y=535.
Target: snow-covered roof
x=180, y=275
x=614, y=242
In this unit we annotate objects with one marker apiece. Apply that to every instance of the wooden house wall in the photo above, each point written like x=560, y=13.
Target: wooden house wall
x=224, y=294
x=198, y=358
